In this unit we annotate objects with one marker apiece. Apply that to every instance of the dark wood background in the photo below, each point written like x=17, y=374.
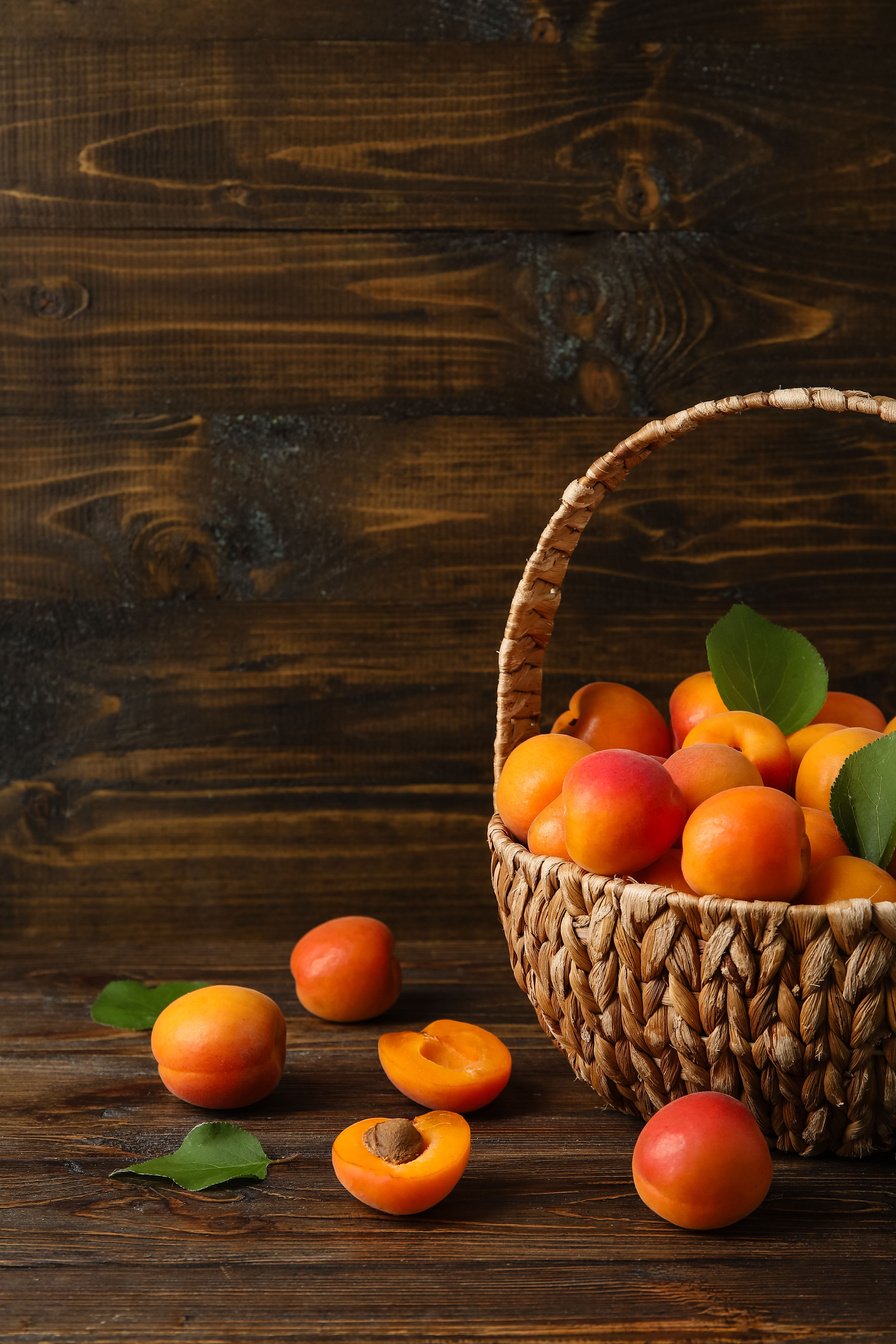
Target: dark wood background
x=308, y=314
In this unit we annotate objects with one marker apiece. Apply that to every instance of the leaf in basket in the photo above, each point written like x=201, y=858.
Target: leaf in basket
x=863, y=801
x=212, y=1153
x=766, y=668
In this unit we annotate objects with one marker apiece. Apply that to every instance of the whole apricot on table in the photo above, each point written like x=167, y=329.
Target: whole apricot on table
x=707, y=768
x=845, y=877
x=533, y=776
x=221, y=1046
x=611, y=714
x=453, y=1065
x=825, y=841
x=346, y=969
x=402, y=1166
x=853, y=711
x=821, y=764
x=623, y=810
x=760, y=740
x=702, y=1162
x=693, y=699
x=748, y=844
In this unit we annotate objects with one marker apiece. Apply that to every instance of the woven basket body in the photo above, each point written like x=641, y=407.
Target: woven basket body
x=650, y=993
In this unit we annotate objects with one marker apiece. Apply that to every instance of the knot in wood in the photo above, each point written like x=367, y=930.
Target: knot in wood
x=580, y=295
x=395, y=1141
x=602, y=385
x=42, y=806
x=545, y=30
x=176, y=561
x=638, y=196
x=53, y=298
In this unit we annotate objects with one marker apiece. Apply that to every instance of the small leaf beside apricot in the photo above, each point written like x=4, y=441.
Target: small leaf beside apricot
x=134, y=1005
x=863, y=801
x=211, y=1154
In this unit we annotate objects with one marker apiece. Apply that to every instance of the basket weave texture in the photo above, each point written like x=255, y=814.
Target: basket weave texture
x=650, y=993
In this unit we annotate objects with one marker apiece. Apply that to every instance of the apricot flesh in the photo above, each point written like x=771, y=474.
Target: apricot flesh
x=419, y=1176
x=456, y=1066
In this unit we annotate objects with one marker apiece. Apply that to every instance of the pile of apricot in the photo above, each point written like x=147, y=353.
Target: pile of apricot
x=716, y=802
x=224, y=1046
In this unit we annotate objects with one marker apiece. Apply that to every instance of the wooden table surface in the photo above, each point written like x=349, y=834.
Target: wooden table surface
x=308, y=314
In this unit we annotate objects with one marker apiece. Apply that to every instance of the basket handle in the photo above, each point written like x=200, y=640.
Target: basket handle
x=535, y=602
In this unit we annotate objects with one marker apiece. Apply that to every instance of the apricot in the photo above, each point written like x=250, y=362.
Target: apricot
x=610, y=714
x=346, y=969
x=760, y=740
x=693, y=699
x=825, y=841
x=891, y=726
x=402, y=1166
x=748, y=844
x=845, y=877
x=821, y=764
x=623, y=810
x=220, y=1047
x=547, y=834
x=798, y=743
x=453, y=1065
x=707, y=768
x=702, y=1162
x=853, y=711
x=533, y=776
x=666, y=872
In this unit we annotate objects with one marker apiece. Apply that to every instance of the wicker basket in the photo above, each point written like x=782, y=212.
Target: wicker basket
x=650, y=993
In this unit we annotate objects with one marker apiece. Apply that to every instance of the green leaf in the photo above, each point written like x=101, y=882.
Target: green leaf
x=763, y=667
x=128, y=1003
x=863, y=801
x=211, y=1154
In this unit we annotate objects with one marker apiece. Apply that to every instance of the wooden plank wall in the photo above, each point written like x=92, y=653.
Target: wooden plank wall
x=308, y=315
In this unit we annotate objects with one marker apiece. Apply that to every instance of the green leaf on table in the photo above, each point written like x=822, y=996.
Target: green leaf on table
x=129, y=1003
x=863, y=801
x=766, y=668
x=211, y=1154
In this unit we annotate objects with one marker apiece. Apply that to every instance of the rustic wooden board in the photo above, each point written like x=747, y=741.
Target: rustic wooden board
x=444, y=509
x=406, y=324
x=579, y=22
x=544, y=1238
x=237, y=136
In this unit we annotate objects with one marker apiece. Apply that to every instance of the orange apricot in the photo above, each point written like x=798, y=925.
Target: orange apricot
x=845, y=877
x=853, y=711
x=702, y=1162
x=221, y=1046
x=453, y=1065
x=821, y=764
x=760, y=740
x=402, y=1166
x=693, y=699
x=346, y=969
x=891, y=726
x=666, y=872
x=533, y=776
x=547, y=834
x=748, y=844
x=707, y=768
x=610, y=714
x=623, y=810
x=798, y=743
x=824, y=839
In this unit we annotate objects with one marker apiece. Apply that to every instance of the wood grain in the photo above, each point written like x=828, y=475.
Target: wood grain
x=543, y=1238
x=578, y=22
x=407, y=324
x=625, y=137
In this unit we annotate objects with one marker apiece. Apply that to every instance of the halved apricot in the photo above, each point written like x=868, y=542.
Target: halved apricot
x=454, y=1065
x=402, y=1166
